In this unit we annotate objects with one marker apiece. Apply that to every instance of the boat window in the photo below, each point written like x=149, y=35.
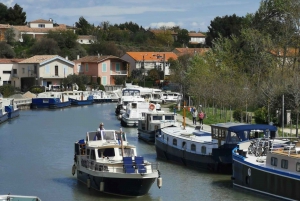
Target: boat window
x=157, y=117
x=93, y=155
x=88, y=153
x=169, y=117
x=133, y=105
x=183, y=145
x=127, y=152
x=203, y=149
x=109, y=152
x=193, y=147
x=298, y=167
x=175, y=95
x=273, y=161
x=175, y=142
x=284, y=164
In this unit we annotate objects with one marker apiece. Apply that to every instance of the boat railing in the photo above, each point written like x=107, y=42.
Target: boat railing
x=288, y=147
x=100, y=167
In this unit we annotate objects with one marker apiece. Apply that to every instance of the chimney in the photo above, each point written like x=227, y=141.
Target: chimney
x=78, y=56
x=50, y=20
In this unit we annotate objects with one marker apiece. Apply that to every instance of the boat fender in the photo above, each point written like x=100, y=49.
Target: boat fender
x=151, y=106
x=73, y=169
x=88, y=183
x=159, y=182
x=101, y=186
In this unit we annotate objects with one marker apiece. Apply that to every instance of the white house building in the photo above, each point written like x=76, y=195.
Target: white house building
x=9, y=72
x=46, y=69
x=149, y=60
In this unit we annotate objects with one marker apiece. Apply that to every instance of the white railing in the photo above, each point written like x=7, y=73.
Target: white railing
x=121, y=72
x=23, y=101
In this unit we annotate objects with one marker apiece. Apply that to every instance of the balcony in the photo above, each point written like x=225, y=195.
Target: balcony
x=121, y=72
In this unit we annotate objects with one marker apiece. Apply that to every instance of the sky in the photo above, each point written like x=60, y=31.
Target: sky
x=193, y=15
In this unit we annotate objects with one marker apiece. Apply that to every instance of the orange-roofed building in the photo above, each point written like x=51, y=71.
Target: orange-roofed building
x=3, y=28
x=149, y=60
x=106, y=67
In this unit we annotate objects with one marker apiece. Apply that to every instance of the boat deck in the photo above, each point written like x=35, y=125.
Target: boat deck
x=287, y=152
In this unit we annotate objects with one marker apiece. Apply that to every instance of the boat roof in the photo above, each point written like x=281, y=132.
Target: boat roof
x=236, y=127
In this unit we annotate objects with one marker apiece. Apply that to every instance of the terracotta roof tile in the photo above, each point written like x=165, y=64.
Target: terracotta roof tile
x=88, y=37
x=38, y=59
x=4, y=26
x=42, y=21
x=151, y=56
x=196, y=35
x=95, y=59
x=25, y=28
x=10, y=61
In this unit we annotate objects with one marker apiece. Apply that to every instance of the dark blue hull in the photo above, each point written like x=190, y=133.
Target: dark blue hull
x=81, y=102
x=60, y=105
x=104, y=100
x=264, y=180
x=118, y=186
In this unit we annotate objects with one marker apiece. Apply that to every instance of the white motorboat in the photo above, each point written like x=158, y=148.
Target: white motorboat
x=19, y=197
x=134, y=113
x=111, y=165
x=101, y=97
x=171, y=97
x=153, y=122
x=3, y=114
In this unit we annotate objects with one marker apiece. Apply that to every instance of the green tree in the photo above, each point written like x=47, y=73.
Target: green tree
x=83, y=27
x=45, y=46
x=226, y=26
x=64, y=39
x=183, y=37
x=16, y=16
x=6, y=51
x=10, y=36
x=3, y=14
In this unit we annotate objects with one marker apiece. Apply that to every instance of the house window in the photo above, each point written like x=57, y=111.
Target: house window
x=203, y=150
x=298, y=167
x=6, y=72
x=6, y=82
x=103, y=80
x=56, y=70
x=41, y=25
x=104, y=67
x=86, y=67
x=193, y=147
x=174, y=142
x=284, y=164
x=117, y=66
x=35, y=69
x=15, y=71
x=273, y=161
x=23, y=70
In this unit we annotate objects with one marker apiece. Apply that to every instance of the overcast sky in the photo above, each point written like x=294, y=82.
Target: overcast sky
x=193, y=15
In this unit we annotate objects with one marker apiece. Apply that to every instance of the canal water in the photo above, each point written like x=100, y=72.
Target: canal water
x=36, y=158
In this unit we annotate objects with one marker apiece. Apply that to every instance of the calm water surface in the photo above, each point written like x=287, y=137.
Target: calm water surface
x=36, y=158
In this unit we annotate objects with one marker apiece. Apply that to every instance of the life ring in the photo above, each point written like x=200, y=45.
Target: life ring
x=151, y=106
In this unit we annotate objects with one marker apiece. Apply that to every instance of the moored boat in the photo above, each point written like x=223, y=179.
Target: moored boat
x=153, y=122
x=19, y=198
x=111, y=165
x=12, y=110
x=209, y=150
x=3, y=114
x=78, y=98
x=134, y=112
x=268, y=166
x=50, y=100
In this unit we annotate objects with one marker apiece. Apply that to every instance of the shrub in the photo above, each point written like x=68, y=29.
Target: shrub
x=261, y=115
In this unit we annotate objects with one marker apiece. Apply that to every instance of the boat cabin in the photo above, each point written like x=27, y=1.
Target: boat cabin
x=232, y=133
x=153, y=121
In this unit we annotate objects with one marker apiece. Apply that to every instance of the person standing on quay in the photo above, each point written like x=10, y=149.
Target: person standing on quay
x=201, y=117
x=194, y=114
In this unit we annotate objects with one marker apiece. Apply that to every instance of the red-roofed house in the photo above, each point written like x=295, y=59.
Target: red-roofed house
x=105, y=67
x=150, y=60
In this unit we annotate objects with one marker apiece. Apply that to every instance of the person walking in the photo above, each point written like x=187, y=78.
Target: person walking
x=194, y=114
x=201, y=116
